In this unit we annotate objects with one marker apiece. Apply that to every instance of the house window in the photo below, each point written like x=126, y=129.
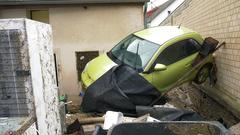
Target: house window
x=82, y=59
x=39, y=15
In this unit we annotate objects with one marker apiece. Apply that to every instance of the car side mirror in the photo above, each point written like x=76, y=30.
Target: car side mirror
x=160, y=67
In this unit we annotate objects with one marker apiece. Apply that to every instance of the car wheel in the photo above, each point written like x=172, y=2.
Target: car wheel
x=202, y=74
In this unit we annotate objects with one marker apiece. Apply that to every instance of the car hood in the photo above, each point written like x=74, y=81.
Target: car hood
x=97, y=67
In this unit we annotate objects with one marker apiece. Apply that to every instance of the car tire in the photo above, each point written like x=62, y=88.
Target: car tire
x=202, y=74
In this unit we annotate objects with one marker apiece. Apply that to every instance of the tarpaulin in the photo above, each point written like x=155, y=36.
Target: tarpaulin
x=119, y=89
x=168, y=114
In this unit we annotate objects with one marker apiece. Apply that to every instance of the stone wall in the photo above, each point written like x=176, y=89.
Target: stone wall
x=219, y=19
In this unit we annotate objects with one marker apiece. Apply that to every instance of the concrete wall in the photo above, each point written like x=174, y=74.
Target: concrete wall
x=93, y=28
x=40, y=43
x=96, y=28
x=219, y=19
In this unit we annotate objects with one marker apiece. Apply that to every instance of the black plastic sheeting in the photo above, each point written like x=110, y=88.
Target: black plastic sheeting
x=168, y=114
x=119, y=89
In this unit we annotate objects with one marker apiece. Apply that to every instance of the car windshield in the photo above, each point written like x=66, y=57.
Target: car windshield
x=134, y=52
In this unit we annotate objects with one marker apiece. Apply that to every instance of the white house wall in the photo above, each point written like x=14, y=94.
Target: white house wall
x=96, y=28
x=90, y=28
x=13, y=13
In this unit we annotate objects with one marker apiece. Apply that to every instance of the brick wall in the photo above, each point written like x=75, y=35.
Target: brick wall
x=219, y=19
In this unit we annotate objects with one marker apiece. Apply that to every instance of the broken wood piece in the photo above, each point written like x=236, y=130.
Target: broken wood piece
x=91, y=120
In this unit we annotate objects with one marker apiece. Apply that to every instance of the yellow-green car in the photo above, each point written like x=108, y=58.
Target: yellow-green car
x=160, y=54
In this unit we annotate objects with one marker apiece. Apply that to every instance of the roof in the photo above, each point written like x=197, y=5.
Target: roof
x=46, y=2
x=162, y=16
x=161, y=34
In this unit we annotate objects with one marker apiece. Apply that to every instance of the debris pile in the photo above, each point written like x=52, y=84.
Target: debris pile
x=183, y=102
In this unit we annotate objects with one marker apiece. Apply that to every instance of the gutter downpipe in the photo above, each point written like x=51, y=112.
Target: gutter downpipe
x=145, y=14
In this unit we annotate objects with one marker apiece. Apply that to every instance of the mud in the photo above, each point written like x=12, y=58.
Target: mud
x=189, y=97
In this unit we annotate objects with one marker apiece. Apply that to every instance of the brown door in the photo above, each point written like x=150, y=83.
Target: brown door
x=83, y=58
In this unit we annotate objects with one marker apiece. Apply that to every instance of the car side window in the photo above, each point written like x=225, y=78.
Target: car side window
x=191, y=47
x=172, y=54
x=178, y=51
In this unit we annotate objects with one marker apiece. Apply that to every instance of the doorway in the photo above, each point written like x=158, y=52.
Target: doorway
x=83, y=58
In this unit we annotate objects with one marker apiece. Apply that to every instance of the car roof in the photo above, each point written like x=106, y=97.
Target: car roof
x=162, y=34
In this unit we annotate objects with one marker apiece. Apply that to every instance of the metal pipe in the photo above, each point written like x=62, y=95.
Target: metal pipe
x=54, y=2
x=145, y=14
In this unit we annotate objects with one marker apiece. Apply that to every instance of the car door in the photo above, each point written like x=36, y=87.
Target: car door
x=178, y=58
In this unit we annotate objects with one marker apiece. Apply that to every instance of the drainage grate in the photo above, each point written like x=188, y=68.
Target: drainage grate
x=13, y=91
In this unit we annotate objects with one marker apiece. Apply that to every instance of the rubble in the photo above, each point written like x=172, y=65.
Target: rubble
x=190, y=97
x=111, y=119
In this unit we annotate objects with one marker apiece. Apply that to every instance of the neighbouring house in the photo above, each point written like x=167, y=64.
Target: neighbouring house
x=219, y=19
x=82, y=29
x=154, y=11
x=164, y=11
